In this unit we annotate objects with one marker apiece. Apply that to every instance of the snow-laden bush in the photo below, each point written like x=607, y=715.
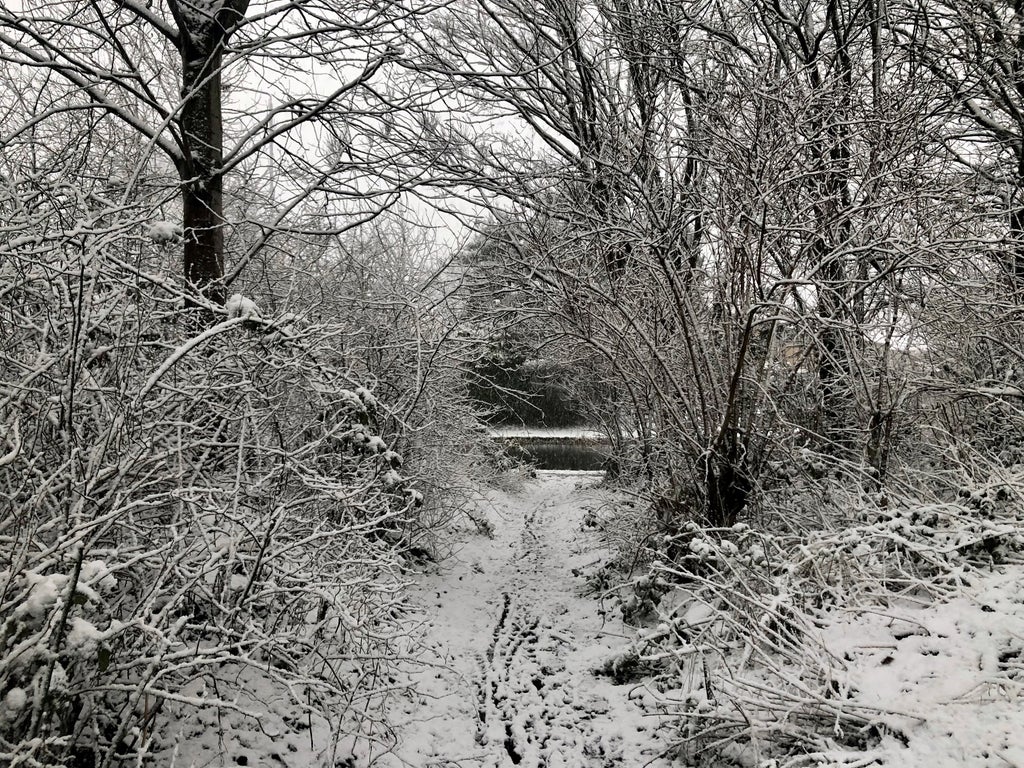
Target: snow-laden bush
x=397, y=329
x=773, y=649
x=200, y=553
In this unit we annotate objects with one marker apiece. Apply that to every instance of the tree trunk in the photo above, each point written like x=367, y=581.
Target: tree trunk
x=835, y=233
x=202, y=184
x=1015, y=257
x=201, y=41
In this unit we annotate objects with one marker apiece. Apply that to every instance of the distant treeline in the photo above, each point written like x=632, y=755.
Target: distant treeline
x=529, y=393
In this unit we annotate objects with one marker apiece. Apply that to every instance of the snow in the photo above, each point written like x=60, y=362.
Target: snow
x=526, y=666
x=98, y=575
x=349, y=400
x=516, y=642
x=58, y=679
x=240, y=306
x=367, y=397
x=164, y=232
x=43, y=593
x=83, y=637
x=264, y=725
x=953, y=671
x=547, y=433
x=16, y=699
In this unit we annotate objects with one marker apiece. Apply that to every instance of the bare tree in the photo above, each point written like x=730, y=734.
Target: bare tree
x=300, y=98
x=976, y=52
x=713, y=189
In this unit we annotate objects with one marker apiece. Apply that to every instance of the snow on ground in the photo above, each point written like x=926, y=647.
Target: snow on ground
x=515, y=642
x=951, y=673
x=514, y=636
x=547, y=433
x=262, y=726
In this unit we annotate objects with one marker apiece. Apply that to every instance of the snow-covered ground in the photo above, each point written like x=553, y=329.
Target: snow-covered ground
x=945, y=677
x=547, y=433
x=516, y=641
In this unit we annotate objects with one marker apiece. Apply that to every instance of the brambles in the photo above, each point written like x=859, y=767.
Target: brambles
x=764, y=646
x=205, y=528
x=220, y=543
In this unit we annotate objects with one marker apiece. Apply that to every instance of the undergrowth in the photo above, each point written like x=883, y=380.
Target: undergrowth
x=745, y=632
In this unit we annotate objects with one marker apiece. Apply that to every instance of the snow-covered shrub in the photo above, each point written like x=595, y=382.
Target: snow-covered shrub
x=766, y=643
x=398, y=339
x=200, y=555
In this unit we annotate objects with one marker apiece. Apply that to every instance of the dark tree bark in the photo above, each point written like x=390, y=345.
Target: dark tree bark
x=1015, y=257
x=822, y=57
x=201, y=42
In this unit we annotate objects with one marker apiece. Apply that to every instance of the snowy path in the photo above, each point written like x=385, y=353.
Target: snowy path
x=516, y=645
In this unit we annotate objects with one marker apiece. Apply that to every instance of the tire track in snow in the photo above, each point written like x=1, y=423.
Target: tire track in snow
x=530, y=704
x=515, y=647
